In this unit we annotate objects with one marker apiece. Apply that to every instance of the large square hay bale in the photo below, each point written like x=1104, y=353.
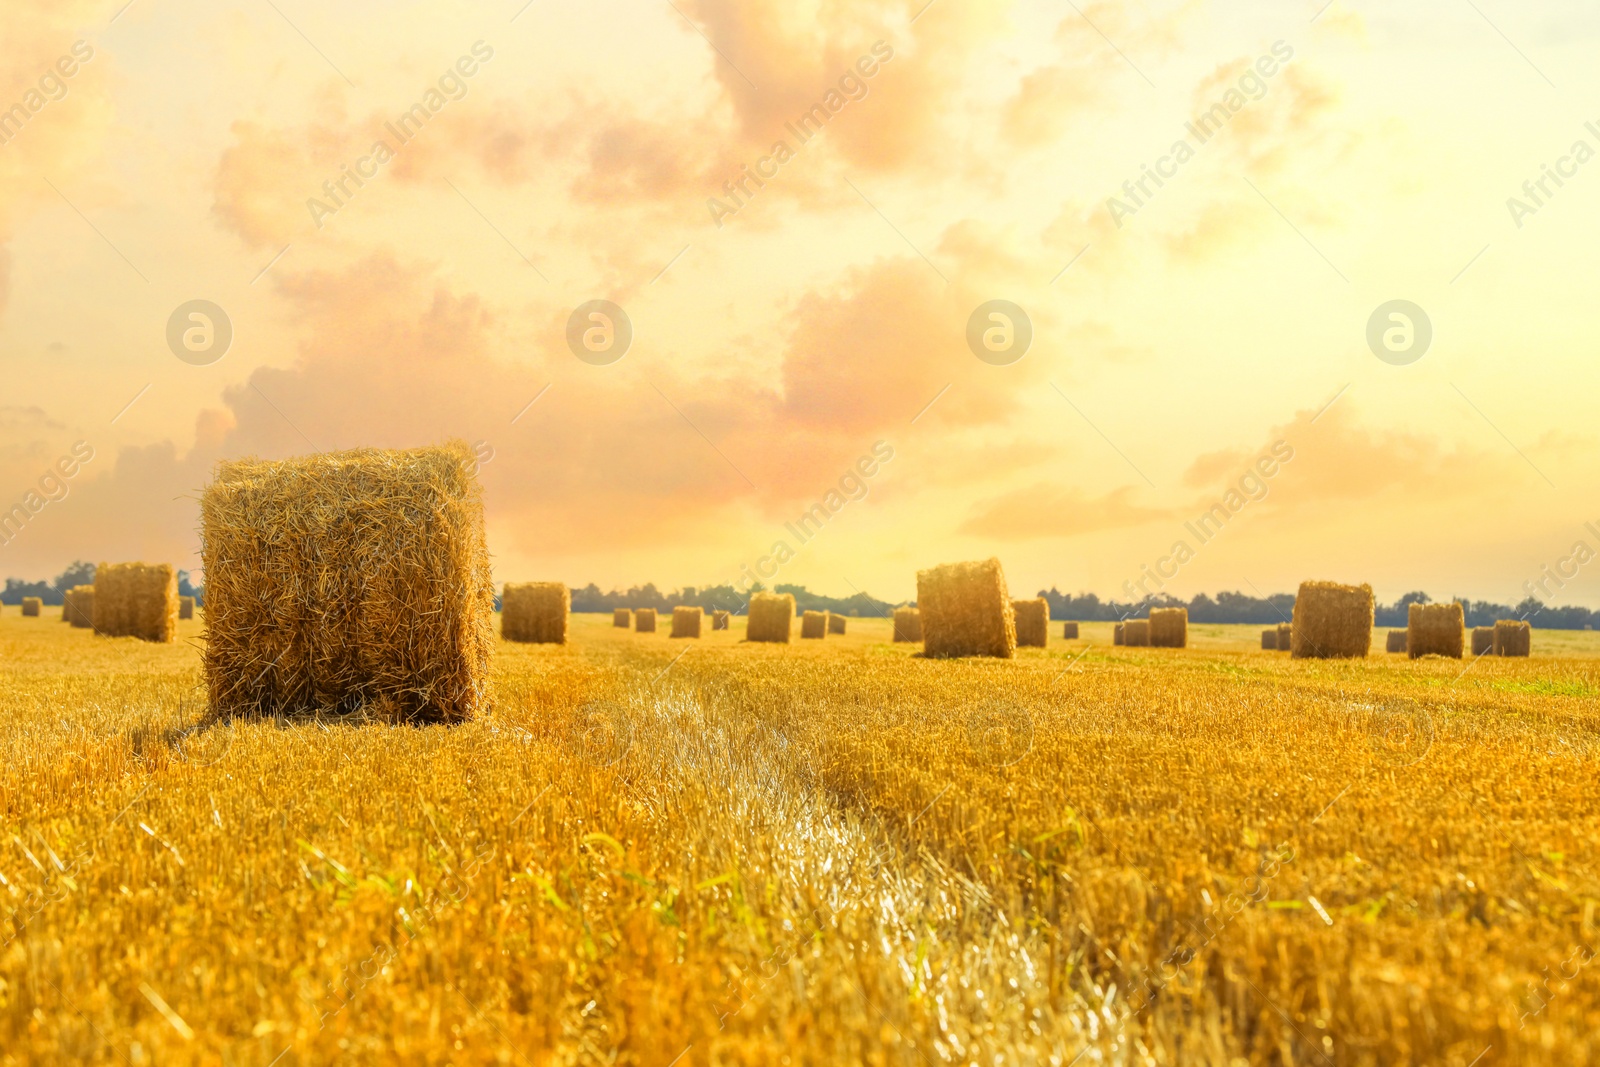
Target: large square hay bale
x=186, y=607
x=1513, y=637
x=32, y=607
x=1069, y=631
x=1136, y=633
x=835, y=623
x=966, y=610
x=136, y=600
x=1331, y=621
x=771, y=617
x=1119, y=634
x=686, y=621
x=1397, y=641
x=1269, y=639
x=907, y=624
x=1285, y=637
x=1032, y=622
x=721, y=620
x=1169, y=627
x=644, y=620
x=347, y=581
x=78, y=607
x=1482, y=640
x=814, y=625
x=622, y=619
x=535, y=612
x=1435, y=630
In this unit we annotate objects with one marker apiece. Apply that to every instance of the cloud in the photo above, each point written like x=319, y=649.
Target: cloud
x=1048, y=510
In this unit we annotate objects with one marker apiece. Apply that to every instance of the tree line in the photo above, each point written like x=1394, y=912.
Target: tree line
x=53, y=591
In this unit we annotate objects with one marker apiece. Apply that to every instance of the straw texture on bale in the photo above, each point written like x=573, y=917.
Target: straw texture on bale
x=1119, y=634
x=907, y=624
x=644, y=620
x=1285, y=637
x=966, y=611
x=1436, y=630
x=186, y=607
x=1069, y=631
x=78, y=607
x=32, y=607
x=1269, y=639
x=622, y=619
x=1136, y=633
x=720, y=620
x=535, y=612
x=1332, y=621
x=771, y=617
x=1032, y=621
x=814, y=625
x=1513, y=637
x=136, y=600
x=1397, y=641
x=686, y=621
x=1482, y=640
x=1169, y=627
x=835, y=623
x=348, y=581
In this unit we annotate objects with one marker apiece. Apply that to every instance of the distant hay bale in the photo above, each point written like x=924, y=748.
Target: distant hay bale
x=644, y=620
x=346, y=581
x=32, y=607
x=771, y=617
x=1285, y=637
x=814, y=625
x=1119, y=634
x=966, y=610
x=186, y=607
x=78, y=607
x=1169, y=627
x=1513, y=637
x=835, y=623
x=1032, y=621
x=907, y=624
x=1069, y=631
x=1482, y=640
x=136, y=600
x=1136, y=633
x=1331, y=621
x=686, y=621
x=1435, y=630
x=622, y=618
x=1269, y=639
x=720, y=620
x=1397, y=641
x=535, y=612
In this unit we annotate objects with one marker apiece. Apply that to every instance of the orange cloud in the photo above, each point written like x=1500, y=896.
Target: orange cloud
x=1047, y=510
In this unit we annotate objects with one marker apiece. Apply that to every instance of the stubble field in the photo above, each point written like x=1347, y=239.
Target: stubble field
x=696, y=852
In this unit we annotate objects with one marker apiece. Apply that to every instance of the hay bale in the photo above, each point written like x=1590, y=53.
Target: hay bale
x=535, y=612
x=1397, y=641
x=186, y=607
x=644, y=620
x=1513, y=637
x=1032, y=622
x=78, y=607
x=1435, y=630
x=721, y=620
x=686, y=621
x=1119, y=634
x=1482, y=640
x=1269, y=639
x=622, y=619
x=32, y=607
x=814, y=625
x=1285, y=637
x=835, y=623
x=1331, y=621
x=136, y=600
x=771, y=617
x=1136, y=633
x=966, y=611
x=1069, y=631
x=1169, y=627
x=348, y=580
x=907, y=624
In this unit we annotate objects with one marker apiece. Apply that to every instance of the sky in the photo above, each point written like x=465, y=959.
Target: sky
x=1220, y=342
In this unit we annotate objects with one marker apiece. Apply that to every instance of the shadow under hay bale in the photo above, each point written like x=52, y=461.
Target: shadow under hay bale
x=1285, y=637
x=1169, y=627
x=771, y=618
x=1032, y=622
x=835, y=623
x=686, y=621
x=721, y=620
x=32, y=607
x=1482, y=640
x=644, y=620
x=1513, y=637
x=1397, y=641
x=907, y=624
x=78, y=607
x=622, y=618
x=1136, y=633
x=813, y=625
x=1069, y=631
x=535, y=612
x=966, y=611
x=136, y=600
x=348, y=581
x=1332, y=621
x=1436, y=630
